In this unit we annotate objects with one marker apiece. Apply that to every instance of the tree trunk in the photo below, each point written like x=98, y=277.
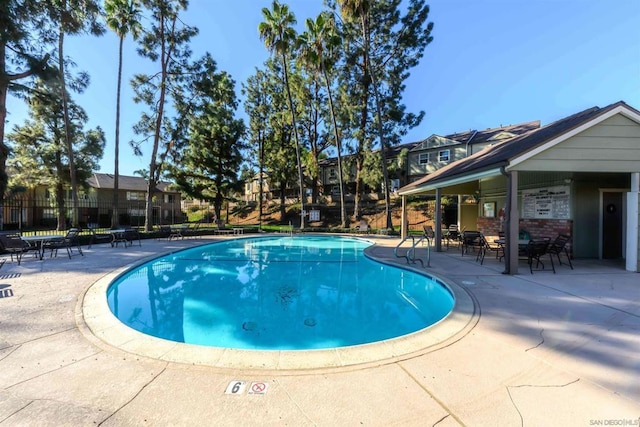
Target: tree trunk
x=4, y=150
x=336, y=134
x=217, y=205
x=67, y=126
x=59, y=196
x=283, y=198
x=116, y=169
x=295, y=134
x=164, y=61
x=260, y=172
x=383, y=152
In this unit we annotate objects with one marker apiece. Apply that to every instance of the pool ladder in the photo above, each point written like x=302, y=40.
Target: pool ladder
x=287, y=229
x=410, y=255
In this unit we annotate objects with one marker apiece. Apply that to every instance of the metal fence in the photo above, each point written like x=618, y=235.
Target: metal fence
x=42, y=213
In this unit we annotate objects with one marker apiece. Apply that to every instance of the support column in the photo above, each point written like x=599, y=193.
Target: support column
x=438, y=225
x=512, y=225
x=633, y=219
x=403, y=219
x=459, y=215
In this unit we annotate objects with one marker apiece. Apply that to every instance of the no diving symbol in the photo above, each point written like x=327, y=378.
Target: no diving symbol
x=258, y=388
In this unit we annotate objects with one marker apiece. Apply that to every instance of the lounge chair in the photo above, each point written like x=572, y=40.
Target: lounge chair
x=127, y=237
x=189, y=231
x=164, y=232
x=222, y=228
x=99, y=238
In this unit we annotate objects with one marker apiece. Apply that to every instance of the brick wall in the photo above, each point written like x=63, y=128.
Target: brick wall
x=537, y=228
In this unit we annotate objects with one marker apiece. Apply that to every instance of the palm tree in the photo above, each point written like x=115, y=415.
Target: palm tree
x=279, y=36
x=317, y=43
x=123, y=17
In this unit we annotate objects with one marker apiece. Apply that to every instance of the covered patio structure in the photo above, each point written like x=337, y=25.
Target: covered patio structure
x=579, y=176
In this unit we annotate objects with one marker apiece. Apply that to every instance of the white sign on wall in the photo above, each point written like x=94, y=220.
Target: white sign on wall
x=548, y=203
x=314, y=215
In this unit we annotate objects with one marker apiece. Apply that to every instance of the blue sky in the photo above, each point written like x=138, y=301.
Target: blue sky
x=491, y=63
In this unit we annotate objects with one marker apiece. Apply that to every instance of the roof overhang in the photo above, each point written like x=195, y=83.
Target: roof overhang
x=456, y=183
x=623, y=110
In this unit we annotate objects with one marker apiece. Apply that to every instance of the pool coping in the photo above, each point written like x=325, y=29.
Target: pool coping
x=97, y=323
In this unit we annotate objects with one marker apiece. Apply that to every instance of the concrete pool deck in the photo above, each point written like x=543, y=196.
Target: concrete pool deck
x=540, y=349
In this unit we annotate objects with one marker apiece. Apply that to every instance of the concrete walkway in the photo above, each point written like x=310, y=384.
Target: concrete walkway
x=541, y=350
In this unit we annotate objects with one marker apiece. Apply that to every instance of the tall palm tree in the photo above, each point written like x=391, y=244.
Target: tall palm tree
x=279, y=36
x=123, y=17
x=318, y=43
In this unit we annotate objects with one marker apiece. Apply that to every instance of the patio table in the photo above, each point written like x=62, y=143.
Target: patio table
x=39, y=241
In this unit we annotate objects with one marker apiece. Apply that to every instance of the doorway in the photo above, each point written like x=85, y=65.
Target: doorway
x=612, y=225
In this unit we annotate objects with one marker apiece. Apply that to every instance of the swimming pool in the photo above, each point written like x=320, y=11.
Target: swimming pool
x=277, y=293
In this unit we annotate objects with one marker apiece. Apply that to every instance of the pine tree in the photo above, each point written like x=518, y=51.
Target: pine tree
x=165, y=41
x=40, y=152
x=206, y=166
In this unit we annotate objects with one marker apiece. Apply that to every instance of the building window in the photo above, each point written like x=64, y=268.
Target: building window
x=14, y=215
x=332, y=174
x=49, y=214
x=168, y=198
x=423, y=158
x=443, y=156
x=133, y=195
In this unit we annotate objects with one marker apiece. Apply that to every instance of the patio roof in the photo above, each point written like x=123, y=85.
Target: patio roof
x=495, y=159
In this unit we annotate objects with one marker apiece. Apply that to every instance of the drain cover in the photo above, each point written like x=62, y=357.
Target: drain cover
x=310, y=321
x=249, y=326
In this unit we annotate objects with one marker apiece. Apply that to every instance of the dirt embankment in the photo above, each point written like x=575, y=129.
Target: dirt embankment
x=418, y=214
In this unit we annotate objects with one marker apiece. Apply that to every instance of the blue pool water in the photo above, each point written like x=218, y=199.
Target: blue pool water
x=284, y=293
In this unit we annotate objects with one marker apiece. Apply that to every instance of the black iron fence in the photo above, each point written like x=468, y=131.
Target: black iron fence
x=42, y=213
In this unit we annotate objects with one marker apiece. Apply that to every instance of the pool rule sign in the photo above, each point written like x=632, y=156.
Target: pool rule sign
x=238, y=387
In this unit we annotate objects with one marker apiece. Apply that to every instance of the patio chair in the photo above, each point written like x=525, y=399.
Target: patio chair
x=536, y=249
x=558, y=246
x=14, y=245
x=452, y=235
x=70, y=240
x=363, y=227
x=485, y=247
x=428, y=233
x=99, y=238
x=470, y=240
